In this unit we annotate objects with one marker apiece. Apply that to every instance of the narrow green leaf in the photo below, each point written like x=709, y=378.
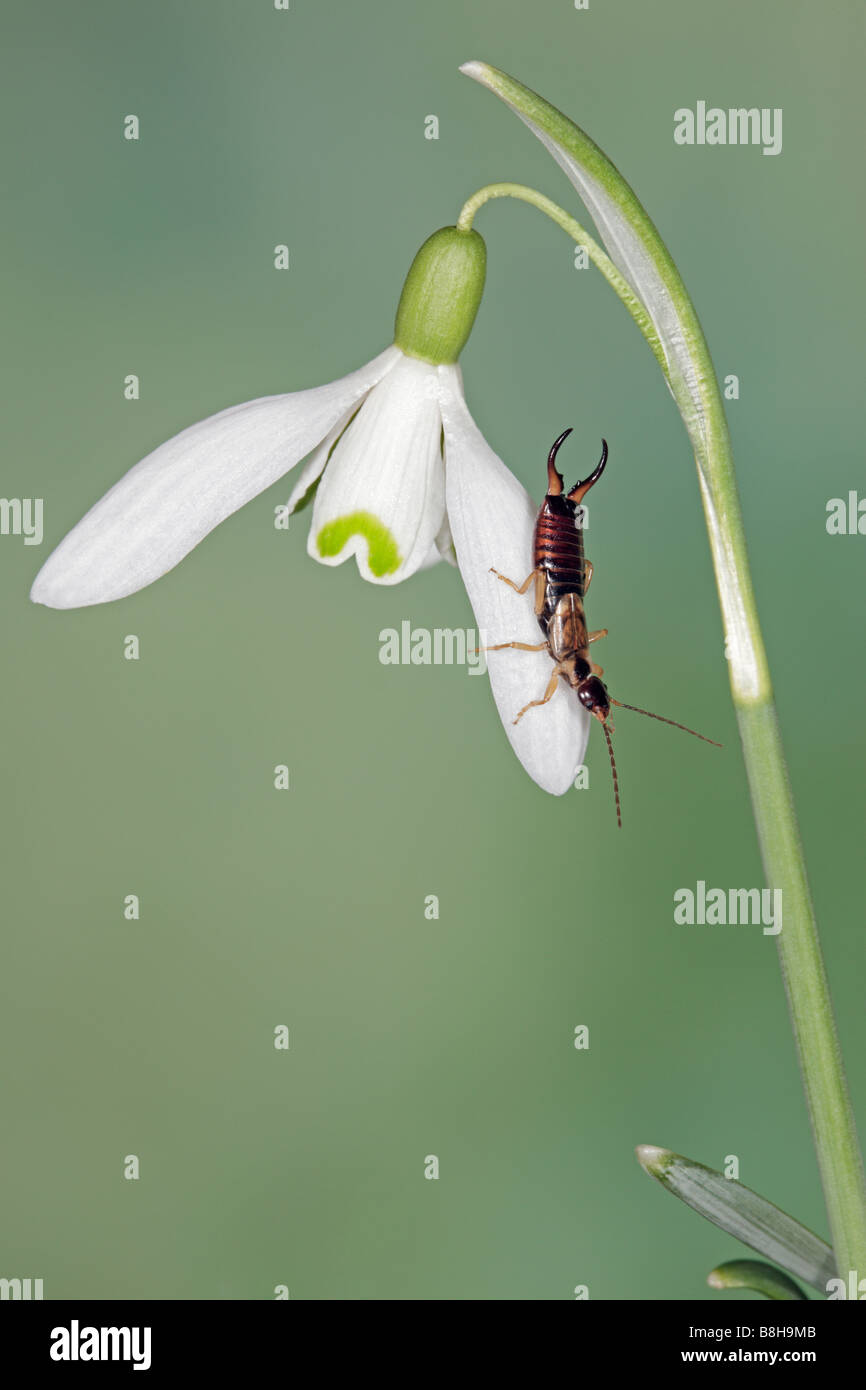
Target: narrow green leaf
x=754, y=1274
x=742, y=1213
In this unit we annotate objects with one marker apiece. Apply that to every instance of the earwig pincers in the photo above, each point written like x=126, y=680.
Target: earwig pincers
x=562, y=575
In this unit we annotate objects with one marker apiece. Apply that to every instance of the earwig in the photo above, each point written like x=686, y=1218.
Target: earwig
x=562, y=575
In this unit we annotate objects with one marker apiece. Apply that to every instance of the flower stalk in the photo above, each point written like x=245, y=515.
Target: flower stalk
x=643, y=261
x=581, y=237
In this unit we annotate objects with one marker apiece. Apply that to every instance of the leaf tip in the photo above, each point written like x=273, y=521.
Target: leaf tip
x=757, y=1276
x=653, y=1160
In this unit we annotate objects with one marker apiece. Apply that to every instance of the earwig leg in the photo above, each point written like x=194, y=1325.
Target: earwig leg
x=596, y=670
x=587, y=572
x=518, y=646
x=548, y=695
x=540, y=589
x=594, y=636
x=518, y=588
x=540, y=585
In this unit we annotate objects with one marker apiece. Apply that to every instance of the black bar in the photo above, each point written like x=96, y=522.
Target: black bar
x=221, y=1338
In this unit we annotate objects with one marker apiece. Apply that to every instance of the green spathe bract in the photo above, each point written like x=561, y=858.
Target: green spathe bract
x=441, y=296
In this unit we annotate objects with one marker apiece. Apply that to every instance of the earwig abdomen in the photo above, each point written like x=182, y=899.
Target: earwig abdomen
x=559, y=553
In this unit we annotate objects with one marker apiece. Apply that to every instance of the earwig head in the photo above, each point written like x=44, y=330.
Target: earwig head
x=589, y=689
x=593, y=696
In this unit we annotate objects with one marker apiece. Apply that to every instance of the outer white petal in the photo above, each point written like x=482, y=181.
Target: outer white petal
x=170, y=500
x=492, y=520
x=387, y=468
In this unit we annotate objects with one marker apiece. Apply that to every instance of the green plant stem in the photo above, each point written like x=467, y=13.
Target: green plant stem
x=807, y=987
x=581, y=237
x=799, y=947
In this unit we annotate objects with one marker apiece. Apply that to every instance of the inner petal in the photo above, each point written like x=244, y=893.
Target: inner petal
x=382, y=495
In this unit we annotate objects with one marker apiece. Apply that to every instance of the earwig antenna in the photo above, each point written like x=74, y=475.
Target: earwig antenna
x=554, y=478
x=579, y=491
x=615, y=778
x=685, y=728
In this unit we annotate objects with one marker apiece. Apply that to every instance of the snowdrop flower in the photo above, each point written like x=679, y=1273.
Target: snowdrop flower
x=398, y=466
x=375, y=437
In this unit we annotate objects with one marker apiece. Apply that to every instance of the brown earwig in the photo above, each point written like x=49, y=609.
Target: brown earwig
x=562, y=575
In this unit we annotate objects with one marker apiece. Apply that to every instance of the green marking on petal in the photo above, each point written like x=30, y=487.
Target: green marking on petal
x=383, y=555
x=308, y=496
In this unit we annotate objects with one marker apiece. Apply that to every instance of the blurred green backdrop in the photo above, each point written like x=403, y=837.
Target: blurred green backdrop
x=306, y=908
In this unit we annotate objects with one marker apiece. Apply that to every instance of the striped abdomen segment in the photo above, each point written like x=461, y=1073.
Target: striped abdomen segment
x=559, y=552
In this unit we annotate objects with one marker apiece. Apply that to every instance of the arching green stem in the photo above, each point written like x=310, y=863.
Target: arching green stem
x=581, y=237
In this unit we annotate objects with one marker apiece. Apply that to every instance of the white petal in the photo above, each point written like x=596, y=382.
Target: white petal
x=170, y=500
x=315, y=464
x=445, y=542
x=492, y=520
x=314, y=467
x=441, y=549
x=382, y=496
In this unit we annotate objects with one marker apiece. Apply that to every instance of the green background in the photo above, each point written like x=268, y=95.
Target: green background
x=306, y=907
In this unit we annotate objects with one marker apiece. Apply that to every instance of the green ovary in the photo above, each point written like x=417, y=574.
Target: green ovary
x=383, y=555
